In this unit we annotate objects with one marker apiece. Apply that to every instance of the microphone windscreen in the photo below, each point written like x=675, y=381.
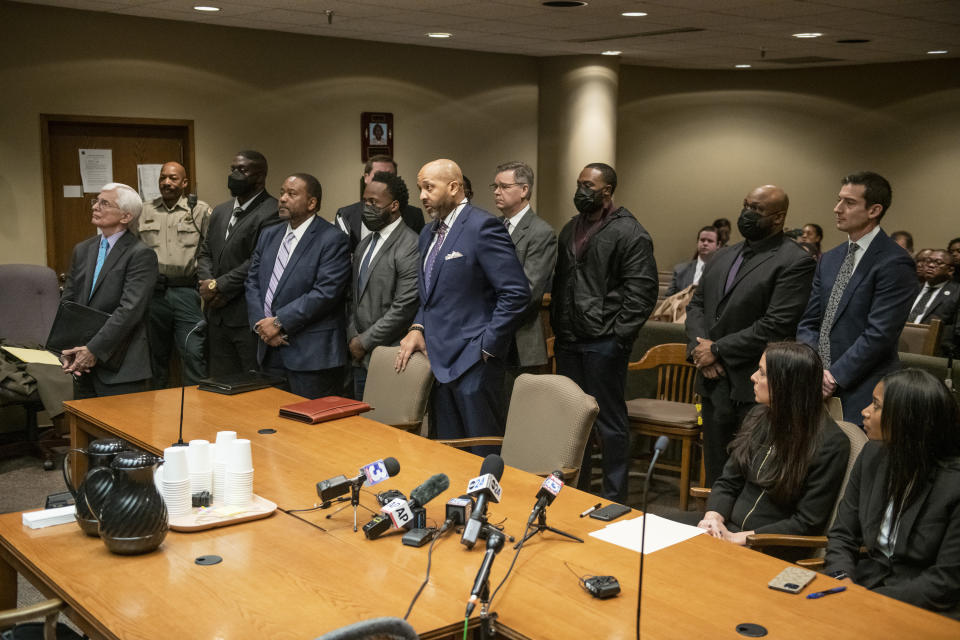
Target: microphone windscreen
x=661, y=444
x=492, y=464
x=430, y=489
x=392, y=466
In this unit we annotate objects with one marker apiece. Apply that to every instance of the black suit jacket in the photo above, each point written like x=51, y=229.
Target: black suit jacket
x=228, y=259
x=764, y=305
x=124, y=289
x=944, y=305
x=351, y=216
x=925, y=567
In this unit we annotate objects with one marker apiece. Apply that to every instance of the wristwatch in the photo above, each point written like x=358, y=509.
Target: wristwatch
x=212, y=285
x=839, y=574
x=714, y=349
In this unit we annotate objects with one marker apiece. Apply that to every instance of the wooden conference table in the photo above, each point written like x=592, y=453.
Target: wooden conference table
x=285, y=577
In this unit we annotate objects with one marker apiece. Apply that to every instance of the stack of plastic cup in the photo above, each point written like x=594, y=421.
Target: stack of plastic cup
x=238, y=486
x=201, y=473
x=175, y=481
x=220, y=450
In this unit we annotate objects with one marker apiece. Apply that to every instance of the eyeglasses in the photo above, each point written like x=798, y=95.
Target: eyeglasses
x=503, y=186
x=103, y=203
x=937, y=263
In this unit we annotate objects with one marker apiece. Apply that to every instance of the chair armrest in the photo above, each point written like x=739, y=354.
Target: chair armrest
x=568, y=473
x=701, y=493
x=812, y=563
x=784, y=540
x=13, y=617
x=413, y=426
x=463, y=443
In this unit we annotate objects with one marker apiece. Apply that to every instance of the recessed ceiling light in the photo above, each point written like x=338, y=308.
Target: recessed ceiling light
x=439, y=34
x=564, y=4
x=743, y=66
x=811, y=34
x=611, y=53
x=633, y=14
x=206, y=8
x=937, y=52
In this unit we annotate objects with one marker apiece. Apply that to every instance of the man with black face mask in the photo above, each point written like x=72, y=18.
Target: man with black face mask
x=384, y=297
x=223, y=261
x=604, y=289
x=750, y=294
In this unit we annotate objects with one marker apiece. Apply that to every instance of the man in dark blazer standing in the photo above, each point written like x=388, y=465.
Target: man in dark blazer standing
x=386, y=264
x=472, y=295
x=350, y=218
x=536, y=245
x=751, y=293
x=115, y=273
x=862, y=293
x=224, y=260
x=298, y=276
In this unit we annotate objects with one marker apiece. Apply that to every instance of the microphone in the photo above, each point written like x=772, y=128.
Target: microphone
x=658, y=448
x=192, y=201
x=372, y=473
x=410, y=513
x=485, y=487
x=458, y=511
x=551, y=486
x=200, y=327
x=494, y=544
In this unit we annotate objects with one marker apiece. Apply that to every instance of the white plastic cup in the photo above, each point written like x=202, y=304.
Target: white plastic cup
x=222, y=448
x=239, y=458
x=198, y=456
x=175, y=466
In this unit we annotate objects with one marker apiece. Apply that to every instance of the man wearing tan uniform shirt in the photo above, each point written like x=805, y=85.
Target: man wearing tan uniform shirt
x=174, y=230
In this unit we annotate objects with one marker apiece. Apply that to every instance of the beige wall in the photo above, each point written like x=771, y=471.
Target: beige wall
x=692, y=144
x=297, y=99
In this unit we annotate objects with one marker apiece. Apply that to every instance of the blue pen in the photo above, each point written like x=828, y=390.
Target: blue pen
x=820, y=594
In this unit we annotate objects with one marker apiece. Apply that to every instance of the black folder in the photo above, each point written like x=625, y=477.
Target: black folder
x=75, y=325
x=240, y=383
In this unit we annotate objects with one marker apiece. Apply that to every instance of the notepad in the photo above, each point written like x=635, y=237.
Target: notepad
x=661, y=533
x=33, y=356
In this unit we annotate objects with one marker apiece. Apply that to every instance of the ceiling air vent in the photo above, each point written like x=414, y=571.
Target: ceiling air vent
x=801, y=60
x=642, y=34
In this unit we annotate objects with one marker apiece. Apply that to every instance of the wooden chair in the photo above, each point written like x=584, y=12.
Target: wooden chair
x=922, y=339
x=49, y=610
x=547, y=426
x=398, y=399
x=672, y=412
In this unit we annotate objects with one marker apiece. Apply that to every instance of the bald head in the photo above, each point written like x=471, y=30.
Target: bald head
x=441, y=187
x=173, y=183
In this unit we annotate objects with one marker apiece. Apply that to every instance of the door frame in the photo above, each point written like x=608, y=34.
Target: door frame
x=47, y=119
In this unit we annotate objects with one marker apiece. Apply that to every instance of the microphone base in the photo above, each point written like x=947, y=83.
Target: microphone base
x=180, y=444
x=543, y=526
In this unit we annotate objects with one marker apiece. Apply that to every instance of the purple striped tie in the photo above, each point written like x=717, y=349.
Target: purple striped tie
x=434, y=252
x=282, y=257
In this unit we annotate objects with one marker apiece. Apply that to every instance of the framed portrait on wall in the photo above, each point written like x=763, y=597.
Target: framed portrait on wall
x=376, y=134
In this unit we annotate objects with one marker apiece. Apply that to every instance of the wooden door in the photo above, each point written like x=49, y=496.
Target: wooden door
x=133, y=141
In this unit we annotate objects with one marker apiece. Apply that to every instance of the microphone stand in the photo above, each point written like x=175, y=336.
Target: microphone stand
x=354, y=502
x=543, y=526
x=199, y=327
x=658, y=448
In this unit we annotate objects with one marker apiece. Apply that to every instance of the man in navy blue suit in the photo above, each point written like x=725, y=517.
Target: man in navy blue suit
x=862, y=293
x=473, y=293
x=298, y=275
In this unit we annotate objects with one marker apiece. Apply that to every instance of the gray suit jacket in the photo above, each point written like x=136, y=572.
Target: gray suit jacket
x=384, y=310
x=682, y=276
x=536, y=245
x=124, y=289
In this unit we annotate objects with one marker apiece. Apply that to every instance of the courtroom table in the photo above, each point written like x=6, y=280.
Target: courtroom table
x=302, y=574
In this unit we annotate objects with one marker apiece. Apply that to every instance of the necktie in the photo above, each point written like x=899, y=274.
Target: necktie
x=365, y=264
x=101, y=256
x=233, y=221
x=734, y=270
x=839, y=285
x=916, y=314
x=506, y=223
x=434, y=252
x=283, y=256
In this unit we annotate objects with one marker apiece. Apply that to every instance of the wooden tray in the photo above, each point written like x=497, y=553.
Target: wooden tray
x=198, y=520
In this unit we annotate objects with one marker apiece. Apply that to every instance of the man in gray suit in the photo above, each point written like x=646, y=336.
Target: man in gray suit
x=536, y=246
x=384, y=297
x=115, y=273
x=688, y=273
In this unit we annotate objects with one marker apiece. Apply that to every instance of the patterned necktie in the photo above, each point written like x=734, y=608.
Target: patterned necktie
x=506, y=223
x=233, y=221
x=843, y=279
x=283, y=256
x=916, y=314
x=734, y=270
x=365, y=265
x=434, y=252
x=101, y=256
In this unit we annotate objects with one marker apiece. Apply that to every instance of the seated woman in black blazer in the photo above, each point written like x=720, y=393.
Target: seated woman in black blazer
x=787, y=461
x=902, y=501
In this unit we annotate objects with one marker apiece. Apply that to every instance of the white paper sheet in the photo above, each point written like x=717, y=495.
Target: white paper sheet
x=148, y=176
x=661, y=533
x=96, y=169
x=39, y=356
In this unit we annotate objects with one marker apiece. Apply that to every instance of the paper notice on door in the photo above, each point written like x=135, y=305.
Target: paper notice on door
x=96, y=169
x=148, y=176
x=72, y=191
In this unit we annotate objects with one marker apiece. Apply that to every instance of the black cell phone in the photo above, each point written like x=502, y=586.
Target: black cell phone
x=610, y=512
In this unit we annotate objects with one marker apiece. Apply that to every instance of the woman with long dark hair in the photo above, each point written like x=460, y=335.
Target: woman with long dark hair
x=902, y=501
x=787, y=461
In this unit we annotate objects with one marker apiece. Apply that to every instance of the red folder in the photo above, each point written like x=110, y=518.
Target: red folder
x=323, y=409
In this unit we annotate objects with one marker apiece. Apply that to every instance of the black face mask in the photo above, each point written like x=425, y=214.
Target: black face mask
x=239, y=184
x=753, y=226
x=373, y=218
x=588, y=200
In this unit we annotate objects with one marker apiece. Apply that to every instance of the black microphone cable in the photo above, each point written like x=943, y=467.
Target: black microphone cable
x=426, y=579
x=512, y=562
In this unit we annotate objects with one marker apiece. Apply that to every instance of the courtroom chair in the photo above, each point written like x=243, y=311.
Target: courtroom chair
x=922, y=339
x=398, y=399
x=548, y=423
x=672, y=412
x=23, y=629
x=835, y=408
x=379, y=628
x=551, y=365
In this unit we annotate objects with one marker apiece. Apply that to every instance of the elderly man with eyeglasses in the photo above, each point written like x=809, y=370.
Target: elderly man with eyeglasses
x=115, y=273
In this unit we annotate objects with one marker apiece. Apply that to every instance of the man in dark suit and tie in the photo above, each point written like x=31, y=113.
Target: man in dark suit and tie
x=115, y=273
x=938, y=295
x=385, y=297
x=536, y=246
x=862, y=294
x=688, y=273
x=751, y=293
x=350, y=218
x=298, y=276
x=224, y=260
x=472, y=295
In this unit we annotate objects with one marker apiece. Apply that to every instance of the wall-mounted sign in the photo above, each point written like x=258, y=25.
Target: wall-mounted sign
x=376, y=134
